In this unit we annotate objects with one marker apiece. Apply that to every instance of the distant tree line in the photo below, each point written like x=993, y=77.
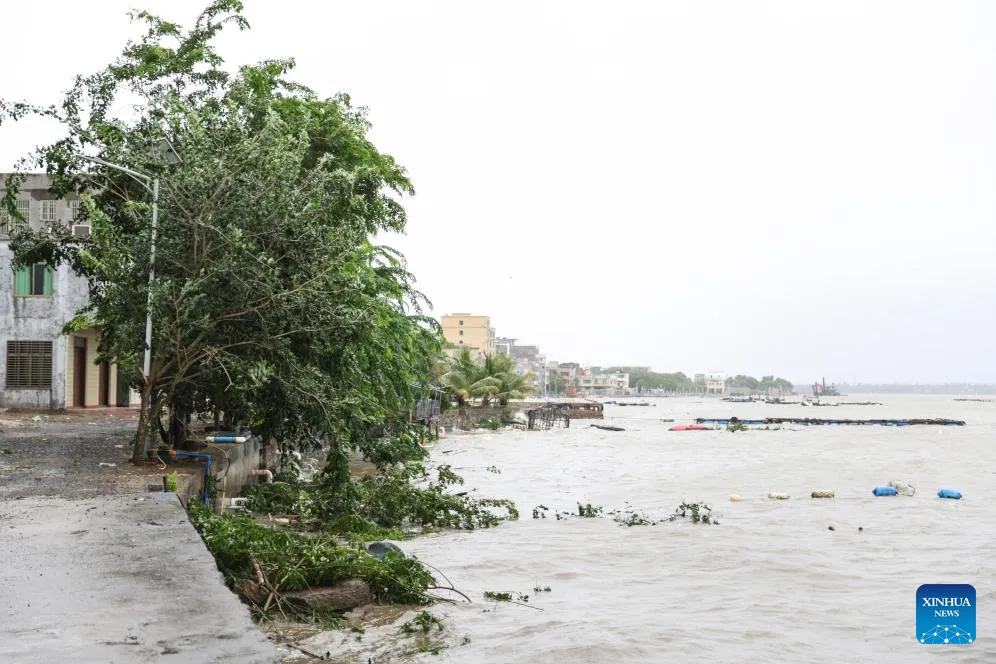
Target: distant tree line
x=677, y=382
x=766, y=383
x=652, y=380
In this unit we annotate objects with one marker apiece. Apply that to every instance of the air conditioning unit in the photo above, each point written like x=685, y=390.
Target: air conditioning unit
x=81, y=231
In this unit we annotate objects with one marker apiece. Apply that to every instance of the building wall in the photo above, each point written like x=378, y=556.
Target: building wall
x=91, y=393
x=42, y=317
x=469, y=330
x=37, y=318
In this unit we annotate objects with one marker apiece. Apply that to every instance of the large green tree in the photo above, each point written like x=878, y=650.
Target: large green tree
x=271, y=302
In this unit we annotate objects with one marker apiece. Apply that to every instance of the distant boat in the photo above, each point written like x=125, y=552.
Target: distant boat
x=821, y=390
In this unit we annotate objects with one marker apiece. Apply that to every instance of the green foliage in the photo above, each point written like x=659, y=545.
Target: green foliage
x=736, y=426
x=379, y=506
x=494, y=378
x=422, y=622
x=275, y=498
x=766, y=383
x=634, y=519
x=555, y=383
x=651, y=380
x=271, y=303
x=695, y=512
x=588, y=511
x=498, y=596
x=172, y=482
x=291, y=561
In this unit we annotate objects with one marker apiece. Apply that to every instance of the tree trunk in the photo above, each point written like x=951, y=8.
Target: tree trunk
x=138, y=453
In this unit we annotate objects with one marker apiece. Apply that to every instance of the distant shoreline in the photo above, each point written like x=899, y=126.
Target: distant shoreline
x=944, y=389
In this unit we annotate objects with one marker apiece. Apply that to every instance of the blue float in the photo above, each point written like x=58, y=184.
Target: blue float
x=884, y=491
x=949, y=493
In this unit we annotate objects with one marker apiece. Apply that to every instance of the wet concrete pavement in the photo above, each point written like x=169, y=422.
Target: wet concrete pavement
x=121, y=579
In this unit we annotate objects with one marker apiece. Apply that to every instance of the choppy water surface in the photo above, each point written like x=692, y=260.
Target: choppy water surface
x=771, y=583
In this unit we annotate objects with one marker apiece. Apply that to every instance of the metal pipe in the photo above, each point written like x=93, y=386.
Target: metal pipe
x=268, y=474
x=207, y=469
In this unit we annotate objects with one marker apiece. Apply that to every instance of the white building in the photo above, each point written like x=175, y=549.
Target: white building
x=715, y=383
x=42, y=367
x=607, y=384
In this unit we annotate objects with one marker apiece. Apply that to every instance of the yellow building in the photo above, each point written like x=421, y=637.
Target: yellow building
x=474, y=332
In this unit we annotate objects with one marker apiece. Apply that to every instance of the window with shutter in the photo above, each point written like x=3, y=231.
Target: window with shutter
x=29, y=365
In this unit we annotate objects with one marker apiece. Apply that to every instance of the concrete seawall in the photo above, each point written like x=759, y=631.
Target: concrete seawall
x=116, y=579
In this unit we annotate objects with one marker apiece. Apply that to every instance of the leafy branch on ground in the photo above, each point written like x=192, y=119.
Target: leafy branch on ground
x=282, y=561
x=403, y=496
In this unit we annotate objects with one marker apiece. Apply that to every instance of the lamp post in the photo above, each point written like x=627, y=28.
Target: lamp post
x=151, y=184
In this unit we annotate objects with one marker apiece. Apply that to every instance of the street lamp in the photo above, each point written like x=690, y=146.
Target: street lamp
x=164, y=151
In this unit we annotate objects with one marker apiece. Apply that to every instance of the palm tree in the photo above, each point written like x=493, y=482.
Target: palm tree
x=461, y=375
x=514, y=386
x=494, y=378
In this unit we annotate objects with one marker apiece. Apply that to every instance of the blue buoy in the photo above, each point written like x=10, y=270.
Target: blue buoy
x=884, y=491
x=949, y=493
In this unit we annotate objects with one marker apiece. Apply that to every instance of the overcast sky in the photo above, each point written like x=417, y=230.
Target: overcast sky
x=799, y=188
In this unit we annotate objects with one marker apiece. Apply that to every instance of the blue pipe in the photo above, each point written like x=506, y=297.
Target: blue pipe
x=207, y=469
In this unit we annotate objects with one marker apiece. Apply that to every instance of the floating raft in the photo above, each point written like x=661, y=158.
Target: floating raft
x=812, y=421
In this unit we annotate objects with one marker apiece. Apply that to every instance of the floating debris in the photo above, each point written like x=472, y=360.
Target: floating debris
x=902, y=488
x=812, y=421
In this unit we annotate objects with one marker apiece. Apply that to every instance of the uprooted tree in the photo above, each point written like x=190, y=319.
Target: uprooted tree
x=271, y=302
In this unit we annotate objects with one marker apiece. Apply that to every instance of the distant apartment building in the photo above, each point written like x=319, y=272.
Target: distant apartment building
x=504, y=345
x=467, y=330
x=569, y=373
x=528, y=362
x=715, y=383
x=42, y=367
x=603, y=384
